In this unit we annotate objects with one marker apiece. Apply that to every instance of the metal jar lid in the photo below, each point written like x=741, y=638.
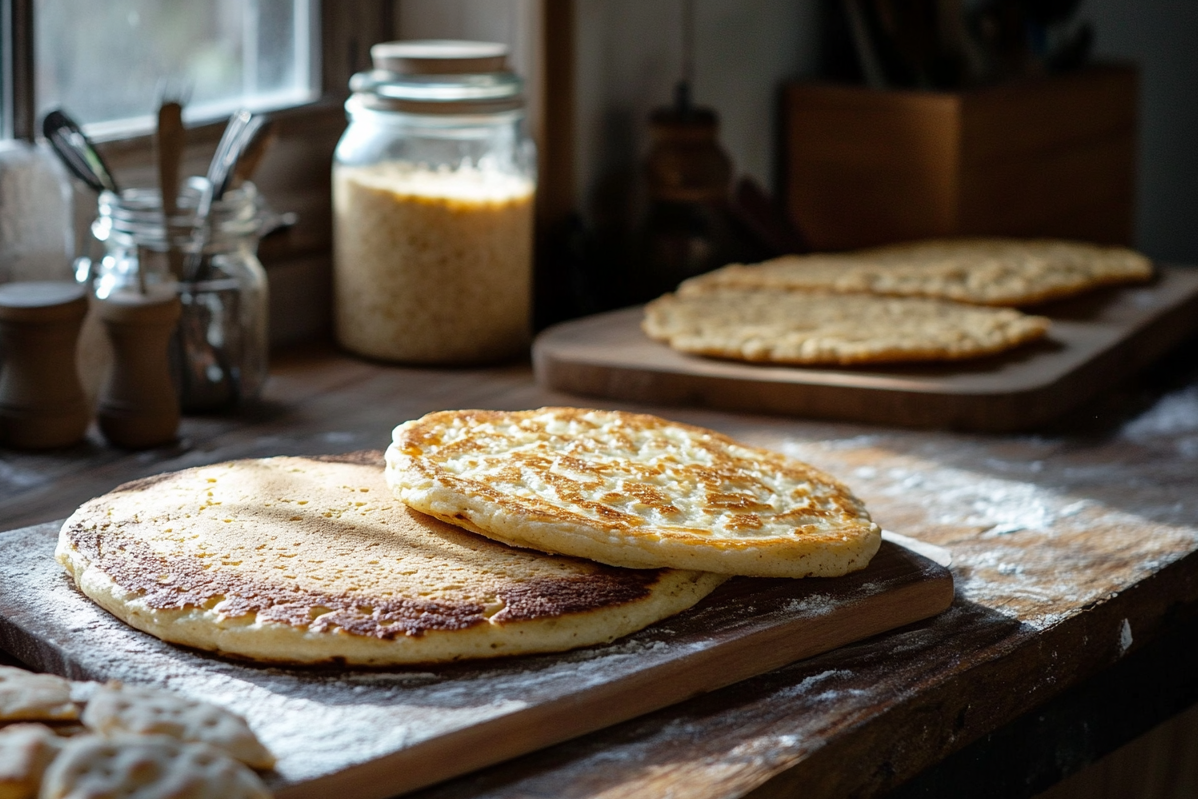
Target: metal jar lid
x=437, y=76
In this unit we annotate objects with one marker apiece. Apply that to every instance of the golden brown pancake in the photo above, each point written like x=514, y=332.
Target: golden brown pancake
x=820, y=328
x=981, y=271
x=630, y=489
x=311, y=560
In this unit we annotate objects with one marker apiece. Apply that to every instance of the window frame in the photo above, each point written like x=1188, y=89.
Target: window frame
x=341, y=48
x=16, y=70
x=295, y=175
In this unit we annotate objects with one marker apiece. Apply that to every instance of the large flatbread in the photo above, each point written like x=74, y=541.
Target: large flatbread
x=306, y=560
x=980, y=271
x=809, y=328
x=630, y=490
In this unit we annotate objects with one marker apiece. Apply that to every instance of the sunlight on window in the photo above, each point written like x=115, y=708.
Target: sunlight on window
x=106, y=62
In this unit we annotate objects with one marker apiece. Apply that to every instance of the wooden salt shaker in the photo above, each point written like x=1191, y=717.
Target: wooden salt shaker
x=138, y=404
x=41, y=401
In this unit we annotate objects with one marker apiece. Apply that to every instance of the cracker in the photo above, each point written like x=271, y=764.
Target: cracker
x=807, y=328
x=117, y=709
x=629, y=490
x=147, y=767
x=980, y=271
x=25, y=752
x=27, y=696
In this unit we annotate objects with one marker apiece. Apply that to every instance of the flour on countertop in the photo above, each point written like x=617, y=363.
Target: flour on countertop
x=1017, y=514
x=1173, y=421
x=1125, y=639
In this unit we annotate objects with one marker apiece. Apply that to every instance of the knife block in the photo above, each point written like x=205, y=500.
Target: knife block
x=1046, y=156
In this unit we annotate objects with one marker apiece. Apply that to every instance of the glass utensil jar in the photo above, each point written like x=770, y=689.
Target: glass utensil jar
x=433, y=185
x=220, y=346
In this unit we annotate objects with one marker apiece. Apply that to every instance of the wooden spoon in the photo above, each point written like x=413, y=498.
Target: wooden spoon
x=169, y=143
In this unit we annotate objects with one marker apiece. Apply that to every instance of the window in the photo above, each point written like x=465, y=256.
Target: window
x=106, y=63
x=102, y=60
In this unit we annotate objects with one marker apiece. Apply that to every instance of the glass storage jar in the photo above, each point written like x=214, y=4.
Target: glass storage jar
x=433, y=185
x=220, y=346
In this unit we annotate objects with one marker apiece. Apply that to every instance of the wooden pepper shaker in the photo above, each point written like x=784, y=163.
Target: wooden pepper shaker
x=41, y=401
x=138, y=404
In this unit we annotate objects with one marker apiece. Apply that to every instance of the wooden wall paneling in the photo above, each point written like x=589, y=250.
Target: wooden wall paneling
x=17, y=103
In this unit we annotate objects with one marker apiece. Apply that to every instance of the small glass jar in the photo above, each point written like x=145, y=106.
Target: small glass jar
x=220, y=346
x=433, y=185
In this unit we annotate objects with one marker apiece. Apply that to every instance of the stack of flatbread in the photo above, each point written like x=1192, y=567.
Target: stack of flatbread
x=486, y=534
x=60, y=740
x=930, y=300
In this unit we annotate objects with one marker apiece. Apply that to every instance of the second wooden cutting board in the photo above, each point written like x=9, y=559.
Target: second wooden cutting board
x=359, y=734
x=1096, y=341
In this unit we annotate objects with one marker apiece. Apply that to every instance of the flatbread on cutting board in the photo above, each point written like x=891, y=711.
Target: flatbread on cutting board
x=312, y=560
x=980, y=271
x=630, y=490
x=820, y=328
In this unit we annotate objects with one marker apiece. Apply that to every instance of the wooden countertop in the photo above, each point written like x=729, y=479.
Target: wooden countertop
x=1075, y=555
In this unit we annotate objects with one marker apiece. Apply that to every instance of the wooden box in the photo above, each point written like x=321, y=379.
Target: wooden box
x=1047, y=156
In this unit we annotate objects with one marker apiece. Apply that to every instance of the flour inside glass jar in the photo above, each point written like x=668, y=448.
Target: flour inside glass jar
x=433, y=265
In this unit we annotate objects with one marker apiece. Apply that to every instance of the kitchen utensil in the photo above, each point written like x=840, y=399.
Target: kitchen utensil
x=256, y=144
x=168, y=144
x=220, y=349
x=211, y=369
x=248, y=133
x=83, y=161
x=77, y=152
x=242, y=126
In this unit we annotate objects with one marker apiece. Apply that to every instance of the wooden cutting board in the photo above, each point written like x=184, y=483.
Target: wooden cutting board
x=1096, y=341
x=367, y=734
